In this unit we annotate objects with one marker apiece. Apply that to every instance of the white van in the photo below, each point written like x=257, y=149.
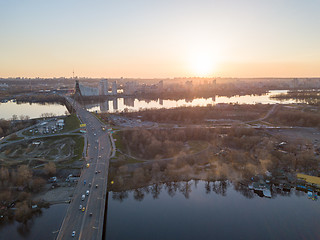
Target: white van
x=83, y=197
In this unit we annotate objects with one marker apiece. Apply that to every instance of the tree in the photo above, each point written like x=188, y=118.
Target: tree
x=50, y=168
x=24, y=174
x=23, y=212
x=37, y=184
x=14, y=117
x=4, y=174
x=5, y=197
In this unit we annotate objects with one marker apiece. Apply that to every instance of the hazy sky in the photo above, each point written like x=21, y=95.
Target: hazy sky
x=163, y=38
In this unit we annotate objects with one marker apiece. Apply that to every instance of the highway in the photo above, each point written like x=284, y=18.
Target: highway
x=88, y=224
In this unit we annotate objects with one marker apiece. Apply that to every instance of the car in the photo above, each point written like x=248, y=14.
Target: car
x=90, y=214
x=89, y=184
x=97, y=186
x=83, y=209
x=87, y=192
x=80, y=207
x=96, y=172
x=88, y=165
x=73, y=233
x=95, y=134
x=83, y=197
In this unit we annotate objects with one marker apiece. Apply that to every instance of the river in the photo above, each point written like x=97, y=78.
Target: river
x=35, y=110
x=40, y=227
x=133, y=104
x=193, y=212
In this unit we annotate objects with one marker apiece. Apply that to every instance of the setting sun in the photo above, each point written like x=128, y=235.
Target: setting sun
x=203, y=65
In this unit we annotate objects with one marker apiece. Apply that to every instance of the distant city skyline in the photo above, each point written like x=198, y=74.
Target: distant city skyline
x=159, y=39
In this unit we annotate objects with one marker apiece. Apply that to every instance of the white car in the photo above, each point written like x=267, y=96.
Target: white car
x=73, y=233
x=87, y=192
x=80, y=207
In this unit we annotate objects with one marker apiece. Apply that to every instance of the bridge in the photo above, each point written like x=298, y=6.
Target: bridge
x=88, y=224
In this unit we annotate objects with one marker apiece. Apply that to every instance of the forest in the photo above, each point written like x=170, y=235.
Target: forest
x=234, y=153
x=17, y=186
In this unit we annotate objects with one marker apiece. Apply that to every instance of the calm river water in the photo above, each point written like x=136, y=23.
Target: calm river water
x=134, y=104
x=208, y=215
x=44, y=226
x=35, y=110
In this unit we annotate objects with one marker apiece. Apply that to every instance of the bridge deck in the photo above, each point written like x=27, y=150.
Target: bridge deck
x=88, y=224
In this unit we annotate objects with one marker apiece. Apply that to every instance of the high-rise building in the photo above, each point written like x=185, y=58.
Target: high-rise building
x=114, y=88
x=103, y=87
x=160, y=86
x=130, y=87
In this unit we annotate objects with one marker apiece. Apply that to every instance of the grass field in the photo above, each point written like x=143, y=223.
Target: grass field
x=71, y=123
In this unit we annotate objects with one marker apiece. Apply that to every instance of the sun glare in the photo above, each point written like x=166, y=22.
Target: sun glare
x=203, y=65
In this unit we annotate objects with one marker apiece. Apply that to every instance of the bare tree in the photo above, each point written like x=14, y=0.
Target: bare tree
x=24, y=175
x=50, y=168
x=23, y=212
x=4, y=175
x=37, y=184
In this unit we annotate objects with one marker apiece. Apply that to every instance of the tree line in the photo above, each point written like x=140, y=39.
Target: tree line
x=295, y=117
x=10, y=126
x=194, y=115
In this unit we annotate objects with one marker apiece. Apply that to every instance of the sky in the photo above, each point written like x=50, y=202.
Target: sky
x=160, y=38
